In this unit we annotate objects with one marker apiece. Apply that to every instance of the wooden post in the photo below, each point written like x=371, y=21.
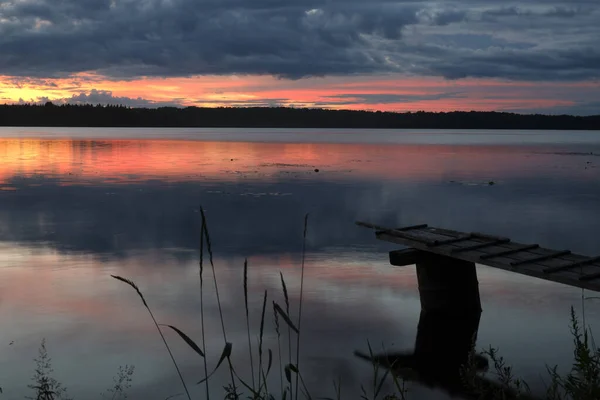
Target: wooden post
x=448, y=285
x=442, y=348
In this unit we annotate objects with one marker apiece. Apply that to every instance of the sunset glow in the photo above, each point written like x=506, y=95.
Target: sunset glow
x=386, y=93
x=539, y=56
x=97, y=162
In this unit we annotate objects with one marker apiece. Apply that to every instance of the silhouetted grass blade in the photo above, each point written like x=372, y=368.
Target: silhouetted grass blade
x=260, y=338
x=207, y=236
x=378, y=390
x=285, y=293
x=174, y=395
x=276, y=319
x=246, y=285
x=270, y=362
x=133, y=285
x=285, y=317
x=293, y=368
x=187, y=339
x=301, y=298
x=248, y=320
x=288, y=373
x=255, y=394
x=224, y=355
x=162, y=336
x=305, y=225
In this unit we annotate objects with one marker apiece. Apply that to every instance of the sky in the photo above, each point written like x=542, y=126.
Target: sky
x=529, y=57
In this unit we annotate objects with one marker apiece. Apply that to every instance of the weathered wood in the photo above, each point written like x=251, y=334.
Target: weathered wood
x=480, y=245
x=448, y=285
x=383, y=228
x=408, y=228
x=450, y=241
x=405, y=229
x=489, y=237
x=402, y=258
x=572, y=265
x=541, y=258
x=510, y=251
x=526, y=259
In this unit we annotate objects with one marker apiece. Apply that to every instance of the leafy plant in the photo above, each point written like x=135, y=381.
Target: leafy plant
x=46, y=387
x=122, y=383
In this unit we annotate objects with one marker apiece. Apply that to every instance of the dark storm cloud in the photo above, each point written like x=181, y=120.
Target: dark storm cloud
x=544, y=40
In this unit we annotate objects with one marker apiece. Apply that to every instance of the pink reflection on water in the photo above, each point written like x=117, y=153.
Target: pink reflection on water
x=81, y=162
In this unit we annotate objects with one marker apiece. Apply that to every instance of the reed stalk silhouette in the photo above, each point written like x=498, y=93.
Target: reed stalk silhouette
x=212, y=265
x=582, y=383
x=248, y=321
x=301, y=298
x=135, y=287
x=201, y=279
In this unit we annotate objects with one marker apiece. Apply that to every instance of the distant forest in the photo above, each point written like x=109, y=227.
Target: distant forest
x=279, y=117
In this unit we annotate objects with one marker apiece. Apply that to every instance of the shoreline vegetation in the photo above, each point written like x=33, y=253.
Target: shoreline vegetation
x=479, y=378
x=51, y=115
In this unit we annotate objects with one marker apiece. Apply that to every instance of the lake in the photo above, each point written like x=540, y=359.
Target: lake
x=77, y=205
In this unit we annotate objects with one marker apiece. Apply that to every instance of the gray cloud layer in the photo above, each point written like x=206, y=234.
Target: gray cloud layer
x=541, y=40
x=103, y=97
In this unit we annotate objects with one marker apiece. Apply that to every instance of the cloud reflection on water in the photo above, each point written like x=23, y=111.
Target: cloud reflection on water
x=82, y=209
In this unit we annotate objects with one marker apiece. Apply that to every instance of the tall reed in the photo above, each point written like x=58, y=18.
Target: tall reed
x=212, y=265
x=248, y=320
x=278, y=332
x=134, y=286
x=301, y=300
x=201, y=278
x=287, y=309
x=260, y=341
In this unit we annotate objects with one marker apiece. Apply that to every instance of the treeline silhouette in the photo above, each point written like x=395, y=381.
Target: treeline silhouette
x=279, y=117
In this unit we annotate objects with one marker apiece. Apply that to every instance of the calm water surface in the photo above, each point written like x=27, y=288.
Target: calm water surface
x=77, y=205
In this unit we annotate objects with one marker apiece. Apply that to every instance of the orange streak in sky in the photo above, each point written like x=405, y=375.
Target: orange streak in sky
x=466, y=94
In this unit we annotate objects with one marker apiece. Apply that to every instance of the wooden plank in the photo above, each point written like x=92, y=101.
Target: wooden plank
x=404, y=229
x=411, y=227
x=510, y=251
x=450, y=241
x=383, y=228
x=480, y=245
x=541, y=258
x=478, y=235
x=572, y=265
x=489, y=237
x=532, y=270
x=402, y=258
x=396, y=232
x=528, y=259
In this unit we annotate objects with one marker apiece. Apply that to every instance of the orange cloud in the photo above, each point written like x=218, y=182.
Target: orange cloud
x=475, y=94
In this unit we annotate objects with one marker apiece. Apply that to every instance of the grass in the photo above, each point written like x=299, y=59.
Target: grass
x=581, y=383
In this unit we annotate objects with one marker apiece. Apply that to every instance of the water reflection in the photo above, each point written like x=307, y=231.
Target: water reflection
x=74, y=211
x=442, y=348
x=111, y=196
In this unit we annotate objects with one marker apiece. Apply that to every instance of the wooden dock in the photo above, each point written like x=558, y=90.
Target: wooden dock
x=449, y=293
x=499, y=252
